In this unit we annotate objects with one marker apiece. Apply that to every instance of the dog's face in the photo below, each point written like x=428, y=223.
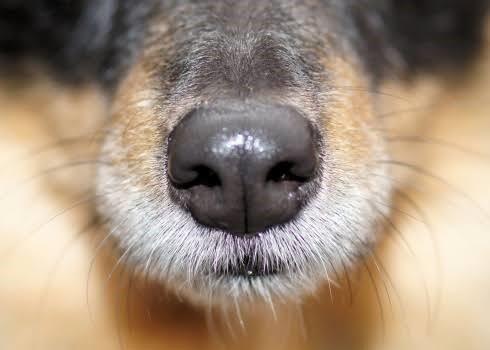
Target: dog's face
x=243, y=157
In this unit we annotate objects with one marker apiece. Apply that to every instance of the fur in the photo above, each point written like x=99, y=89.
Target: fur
x=156, y=61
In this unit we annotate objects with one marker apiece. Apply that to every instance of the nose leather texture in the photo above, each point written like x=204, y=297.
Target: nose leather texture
x=242, y=168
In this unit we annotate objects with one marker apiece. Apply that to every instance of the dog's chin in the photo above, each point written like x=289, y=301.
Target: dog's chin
x=211, y=267
x=162, y=242
x=246, y=287
x=252, y=273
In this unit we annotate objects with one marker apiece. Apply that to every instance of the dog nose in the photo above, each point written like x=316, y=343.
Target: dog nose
x=242, y=170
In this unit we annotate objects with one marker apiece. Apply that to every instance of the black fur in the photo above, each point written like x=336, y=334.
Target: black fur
x=426, y=35
x=78, y=40
x=83, y=40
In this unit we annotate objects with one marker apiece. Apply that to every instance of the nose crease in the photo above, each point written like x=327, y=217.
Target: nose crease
x=245, y=205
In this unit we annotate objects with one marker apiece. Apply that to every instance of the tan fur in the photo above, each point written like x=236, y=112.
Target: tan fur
x=44, y=269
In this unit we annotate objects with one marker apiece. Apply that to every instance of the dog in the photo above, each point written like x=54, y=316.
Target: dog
x=241, y=174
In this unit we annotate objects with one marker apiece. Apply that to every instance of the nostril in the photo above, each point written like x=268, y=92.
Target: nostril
x=206, y=177
x=202, y=176
x=284, y=171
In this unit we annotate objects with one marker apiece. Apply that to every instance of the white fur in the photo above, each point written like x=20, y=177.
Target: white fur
x=161, y=240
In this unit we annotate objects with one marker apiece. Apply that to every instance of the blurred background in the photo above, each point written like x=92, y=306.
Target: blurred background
x=433, y=289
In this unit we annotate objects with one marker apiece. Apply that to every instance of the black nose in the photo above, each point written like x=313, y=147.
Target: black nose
x=245, y=169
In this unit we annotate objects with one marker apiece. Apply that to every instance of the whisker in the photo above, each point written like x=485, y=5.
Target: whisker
x=385, y=286
x=238, y=314
x=94, y=223
x=228, y=323
x=385, y=275
x=377, y=294
x=38, y=151
x=435, y=305
x=406, y=111
x=438, y=142
x=395, y=209
x=423, y=218
x=119, y=303
x=301, y=321
x=395, y=229
x=433, y=309
x=346, y=274
x=31, y=234
x=330, y=281
x=211, y=326
x=421, y=171
x=372, y=91
x=97, y=251
x=270, y=302
x=146, y=268
x=50, y=171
